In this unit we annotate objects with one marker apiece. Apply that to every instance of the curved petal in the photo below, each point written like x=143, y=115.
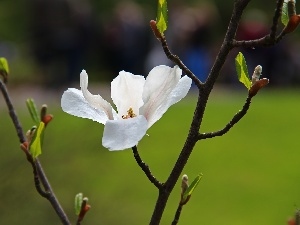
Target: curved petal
x=95, y=101
x=154, y=111
x=126, y=92
x=124, y=133
x=74, y=103
x=159, y=84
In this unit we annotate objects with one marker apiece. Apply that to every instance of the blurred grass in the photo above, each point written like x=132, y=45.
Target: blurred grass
x=251, y=175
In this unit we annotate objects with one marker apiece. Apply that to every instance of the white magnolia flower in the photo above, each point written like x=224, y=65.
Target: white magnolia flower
x=139, y=102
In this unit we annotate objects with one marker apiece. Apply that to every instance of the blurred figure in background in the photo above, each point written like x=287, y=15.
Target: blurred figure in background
x=60, y=35
x=126, y=39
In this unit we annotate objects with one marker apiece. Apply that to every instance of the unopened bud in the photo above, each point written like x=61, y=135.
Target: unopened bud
x=257, y=86
x=291, y=8
x=156, y=32
x=43, y=111
x=184, y=183
x=256, y=74
x=184, y=187
x=47, y=118
x=30, y=133
x=292, y=24
x=84, y=208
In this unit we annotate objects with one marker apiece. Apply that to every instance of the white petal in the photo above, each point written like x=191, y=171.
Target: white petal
x=126, y=92
x=159, y=84
x=95, y=101
x=124, y=133
x=153, y=111
x=73, y=102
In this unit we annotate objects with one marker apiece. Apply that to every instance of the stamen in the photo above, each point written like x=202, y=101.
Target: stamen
x=130, y=114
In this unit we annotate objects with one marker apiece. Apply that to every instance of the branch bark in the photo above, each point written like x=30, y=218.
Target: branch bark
x=39, y=175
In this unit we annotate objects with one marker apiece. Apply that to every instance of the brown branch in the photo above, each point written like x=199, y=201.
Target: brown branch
x=268, y=40
x=39, y=175
x=237, y=117
x=204, y=92
x=177, y=214
x=145, y=168
x=177, y=61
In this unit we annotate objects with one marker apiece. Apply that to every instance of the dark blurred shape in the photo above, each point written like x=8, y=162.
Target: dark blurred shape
x=61, y=30
x=192, y=31
x=126, y=38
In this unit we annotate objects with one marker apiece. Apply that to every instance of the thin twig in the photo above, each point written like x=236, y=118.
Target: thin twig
x=145, y=168
x=276, y=19
x=177, y=214
x=268, y=40
x=12, y=112
x=237, y=117
x=38, y=172
x=177, y=61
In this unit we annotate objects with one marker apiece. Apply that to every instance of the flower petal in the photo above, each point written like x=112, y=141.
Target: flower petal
x=74, y=103
x=126, y=92
x=95, y=101
x=155, y=108
x=124, y=133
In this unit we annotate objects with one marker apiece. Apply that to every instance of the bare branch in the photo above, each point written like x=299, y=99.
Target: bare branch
x=38, y=172
x=270, y=39
x=145, y=168
x=177, y=214
x=237, y=117
x=177, y=61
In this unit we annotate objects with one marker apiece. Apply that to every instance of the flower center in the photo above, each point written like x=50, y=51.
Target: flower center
x=130, y=114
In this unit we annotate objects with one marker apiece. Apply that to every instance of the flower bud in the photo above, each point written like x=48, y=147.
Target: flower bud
x=84, y=208
x=257, y=86
x=155, y=30
x=43, y=111
x=292, y=24
x=30, y=133
x=291, y=8
x=184, y=183
x=256, y=74
x=47, y=118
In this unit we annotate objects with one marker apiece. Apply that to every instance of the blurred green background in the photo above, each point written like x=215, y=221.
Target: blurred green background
x=251, y=174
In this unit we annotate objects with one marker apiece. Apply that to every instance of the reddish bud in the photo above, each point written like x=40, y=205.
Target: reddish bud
x=257, y=86
x=155, y=30
x=44, y=110
x=291, y=221
x=292, y=24
x=83, y=212
x=47, y=118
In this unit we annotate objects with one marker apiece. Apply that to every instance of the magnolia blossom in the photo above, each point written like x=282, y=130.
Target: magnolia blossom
x=140, y=103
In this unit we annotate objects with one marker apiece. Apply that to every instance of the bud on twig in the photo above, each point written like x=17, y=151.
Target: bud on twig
x=256, y=74
x=257, y=86
x=292, y=24
x=43, y=111
x=291, y=8
x=30, y=133
x=47, y=118
x=257, y=83
x=84, y=208
x=156, y=32
x=184, y=183
x=184, y=187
